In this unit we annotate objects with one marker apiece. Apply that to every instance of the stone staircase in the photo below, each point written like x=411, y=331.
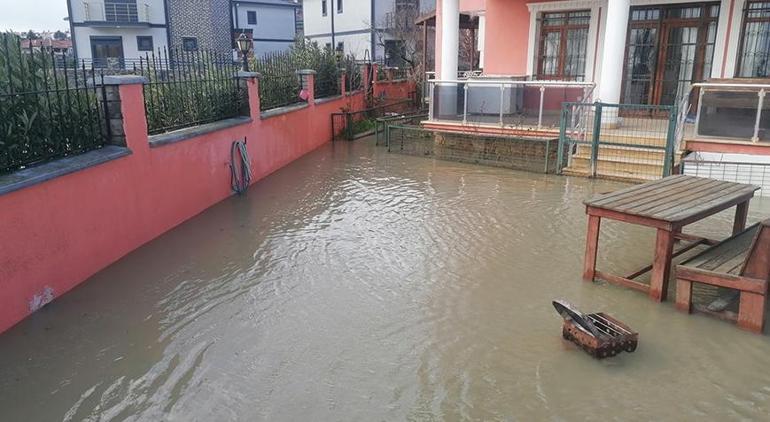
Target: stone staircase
x=622, y=161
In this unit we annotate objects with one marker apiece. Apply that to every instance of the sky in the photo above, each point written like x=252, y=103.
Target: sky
x=22, y=15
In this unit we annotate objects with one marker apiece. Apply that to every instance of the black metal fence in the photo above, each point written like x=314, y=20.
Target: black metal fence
x=46, y=111
x=354, y=80
x=189, y=88
x=279, y=85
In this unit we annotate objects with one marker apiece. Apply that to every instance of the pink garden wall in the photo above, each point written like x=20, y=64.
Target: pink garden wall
x=57, y=233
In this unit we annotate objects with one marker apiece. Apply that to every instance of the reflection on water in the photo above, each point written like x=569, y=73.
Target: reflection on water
x=357, y=285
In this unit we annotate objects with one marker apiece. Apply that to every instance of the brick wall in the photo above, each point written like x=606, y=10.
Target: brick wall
x=206, y=20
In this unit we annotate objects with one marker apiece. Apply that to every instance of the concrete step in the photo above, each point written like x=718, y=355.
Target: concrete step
x=611, y=175
x=625, y=165
x=615, y=152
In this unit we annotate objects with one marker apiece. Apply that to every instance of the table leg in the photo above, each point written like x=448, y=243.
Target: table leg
x=741, y=212
x=592, y=247
x=661, y=265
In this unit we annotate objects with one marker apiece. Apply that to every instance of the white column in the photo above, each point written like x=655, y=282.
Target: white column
x=446, y=93
x=450, y=38
x=480, y=39
x=613, y=51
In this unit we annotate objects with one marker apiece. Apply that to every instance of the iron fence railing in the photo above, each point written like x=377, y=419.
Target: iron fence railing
x=349, y=125
x=505, y=103
x=625, y=141
x=514, y=152
x=46, y=111
x=353, y=78
x=327, y=84
x=279, y=91
x=382, y=124
x=197, y=88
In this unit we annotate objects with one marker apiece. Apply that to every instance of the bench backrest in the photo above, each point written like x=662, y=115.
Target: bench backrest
x=757, y=264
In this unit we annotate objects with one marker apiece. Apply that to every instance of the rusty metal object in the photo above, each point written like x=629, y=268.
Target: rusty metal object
x=599, y=334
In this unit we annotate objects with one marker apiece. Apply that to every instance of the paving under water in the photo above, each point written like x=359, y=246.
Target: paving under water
x=360, y=285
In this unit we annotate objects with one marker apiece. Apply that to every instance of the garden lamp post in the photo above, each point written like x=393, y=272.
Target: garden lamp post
x=244, y=45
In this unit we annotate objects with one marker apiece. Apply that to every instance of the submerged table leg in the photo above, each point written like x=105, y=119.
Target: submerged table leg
x=592, y=247
x=741, y=212
x=661, y=265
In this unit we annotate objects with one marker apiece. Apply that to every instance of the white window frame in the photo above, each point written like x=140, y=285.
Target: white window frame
x=597, y=26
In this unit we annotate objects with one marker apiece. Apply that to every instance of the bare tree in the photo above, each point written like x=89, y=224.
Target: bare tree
x=399, y=36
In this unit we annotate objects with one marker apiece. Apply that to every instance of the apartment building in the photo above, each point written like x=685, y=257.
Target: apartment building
x=356, y=27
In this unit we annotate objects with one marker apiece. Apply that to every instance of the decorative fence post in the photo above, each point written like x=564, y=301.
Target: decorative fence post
x=562, y=137
x=249, y=82
x=595, y=138
x=668, y=163
x=343, y=82
x=113, y=105
x=307, y=82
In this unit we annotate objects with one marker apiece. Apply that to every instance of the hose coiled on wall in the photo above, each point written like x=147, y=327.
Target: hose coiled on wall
x=240, y=174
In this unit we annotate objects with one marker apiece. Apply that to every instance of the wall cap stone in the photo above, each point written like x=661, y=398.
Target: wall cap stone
x=283, y=110
x=124, y=80
x=192, y=132
x=306, y=72
x=246, y=75
x=327, y=99
x=41, y=173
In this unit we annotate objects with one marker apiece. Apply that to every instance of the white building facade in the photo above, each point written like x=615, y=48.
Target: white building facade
x=355, y=27
x=115, y=32
x=272, y=24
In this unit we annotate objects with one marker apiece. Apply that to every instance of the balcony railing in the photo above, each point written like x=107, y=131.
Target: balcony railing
x=733, y=111
x=506, y=103
x=116, y=13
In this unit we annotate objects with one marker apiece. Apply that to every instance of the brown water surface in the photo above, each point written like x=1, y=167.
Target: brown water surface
x=356, y=285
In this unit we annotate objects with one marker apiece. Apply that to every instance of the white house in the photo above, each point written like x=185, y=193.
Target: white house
x=115, y=32
x=354, y=26
x=272, y=24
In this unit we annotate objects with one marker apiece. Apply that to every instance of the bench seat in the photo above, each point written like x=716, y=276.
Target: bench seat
x=740, y=262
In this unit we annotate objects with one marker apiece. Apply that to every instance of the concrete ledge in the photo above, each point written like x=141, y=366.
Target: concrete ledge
x=124, y=80
x=247, y=75
x=38, y=174
x=351, y=93
x=192, y=132
x=306, y=72
x=283, y=110
x=328, y=99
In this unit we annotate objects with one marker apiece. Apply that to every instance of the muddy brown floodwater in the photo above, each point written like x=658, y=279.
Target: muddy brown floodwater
x=357, y=285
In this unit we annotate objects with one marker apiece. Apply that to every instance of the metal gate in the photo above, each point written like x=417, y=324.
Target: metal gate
x=622, y=141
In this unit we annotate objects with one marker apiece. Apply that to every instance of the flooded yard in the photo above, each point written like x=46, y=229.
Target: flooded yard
x=357, y=285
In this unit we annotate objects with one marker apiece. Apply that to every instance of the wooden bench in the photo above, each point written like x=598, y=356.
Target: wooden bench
x=741, y=262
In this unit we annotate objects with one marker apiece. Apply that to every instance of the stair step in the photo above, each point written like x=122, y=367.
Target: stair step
x=631, y=161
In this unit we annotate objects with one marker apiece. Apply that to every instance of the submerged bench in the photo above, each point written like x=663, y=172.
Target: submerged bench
x=741, y=262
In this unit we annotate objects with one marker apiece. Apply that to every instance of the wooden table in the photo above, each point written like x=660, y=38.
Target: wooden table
x=667, y=205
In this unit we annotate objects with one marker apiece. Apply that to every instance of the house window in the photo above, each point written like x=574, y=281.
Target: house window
x=755, y=41
x=251, y=17
x=323, y=7
x=563, y=44
x=339, y=6
x=190, y=44
x=144, y=43
x=122, y=11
